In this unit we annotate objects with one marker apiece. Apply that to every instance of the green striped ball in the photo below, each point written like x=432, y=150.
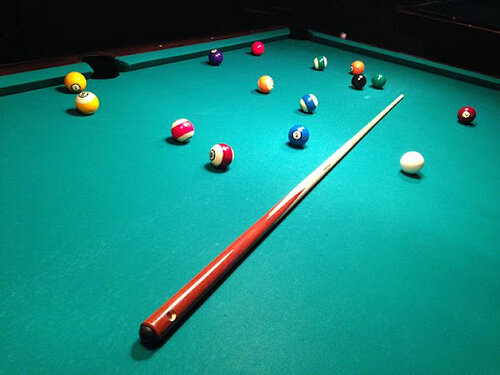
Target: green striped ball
x=320, y=62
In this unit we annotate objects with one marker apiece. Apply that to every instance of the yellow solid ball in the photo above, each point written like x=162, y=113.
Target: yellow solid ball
x=75, y=82
x=86, y=102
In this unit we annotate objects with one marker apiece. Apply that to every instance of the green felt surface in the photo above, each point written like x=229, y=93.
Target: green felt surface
x=102, y=219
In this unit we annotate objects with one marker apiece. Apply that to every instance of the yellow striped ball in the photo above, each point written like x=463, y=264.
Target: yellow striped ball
x=265, y=84
x=86, y=102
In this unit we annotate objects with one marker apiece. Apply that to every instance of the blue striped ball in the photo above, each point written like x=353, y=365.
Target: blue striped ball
x=308, y=103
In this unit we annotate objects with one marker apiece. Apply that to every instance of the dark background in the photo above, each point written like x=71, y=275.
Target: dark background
x=460, y=33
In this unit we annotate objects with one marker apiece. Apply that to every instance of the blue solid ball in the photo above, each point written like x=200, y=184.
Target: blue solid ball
x=298, y=135
x=215, y=57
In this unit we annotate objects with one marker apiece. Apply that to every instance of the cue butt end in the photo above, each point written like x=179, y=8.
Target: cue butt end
x=149, y=338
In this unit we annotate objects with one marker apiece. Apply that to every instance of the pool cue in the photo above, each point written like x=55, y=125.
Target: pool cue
x=155, y=328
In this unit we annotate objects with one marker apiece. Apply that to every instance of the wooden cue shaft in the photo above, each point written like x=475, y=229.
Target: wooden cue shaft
x=154, y=328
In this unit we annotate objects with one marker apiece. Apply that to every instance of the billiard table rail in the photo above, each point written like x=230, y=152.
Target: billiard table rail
x=26, y=81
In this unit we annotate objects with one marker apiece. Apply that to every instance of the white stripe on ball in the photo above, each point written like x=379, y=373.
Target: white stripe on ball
x=179, y=121
x=303, y=105
x=85, y=97
x=186, y=136
x=269, y=82
x=314, y=99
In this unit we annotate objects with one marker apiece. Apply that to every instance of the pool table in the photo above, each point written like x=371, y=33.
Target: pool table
x=104, y=217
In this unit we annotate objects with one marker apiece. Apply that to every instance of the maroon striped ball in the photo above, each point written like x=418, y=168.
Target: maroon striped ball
x=221, y=155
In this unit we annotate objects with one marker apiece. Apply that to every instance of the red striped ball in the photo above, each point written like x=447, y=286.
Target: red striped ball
x=221, y=155
x=182, y=130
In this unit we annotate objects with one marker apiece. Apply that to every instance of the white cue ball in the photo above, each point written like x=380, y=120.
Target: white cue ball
x=412, y=162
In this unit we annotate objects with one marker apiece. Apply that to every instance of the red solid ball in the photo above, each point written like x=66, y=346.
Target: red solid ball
x=258, y=48
x=466, y=115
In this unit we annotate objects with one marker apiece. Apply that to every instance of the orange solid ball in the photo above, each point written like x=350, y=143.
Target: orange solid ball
x=357, y=67
x=75, y=82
